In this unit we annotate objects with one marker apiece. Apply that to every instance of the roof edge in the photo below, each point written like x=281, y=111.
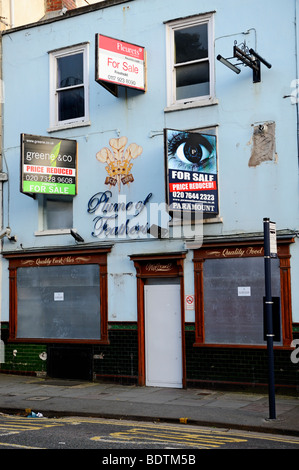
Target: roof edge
x=68, y=14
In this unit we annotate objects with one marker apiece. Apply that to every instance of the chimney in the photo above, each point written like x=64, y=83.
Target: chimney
x=58, y=5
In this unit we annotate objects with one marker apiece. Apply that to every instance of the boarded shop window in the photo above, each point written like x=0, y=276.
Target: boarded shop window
x=233, y=298
x=190, y=59
x=230, y=290
x=59, y=297
x=69, y=86
x=59, y=302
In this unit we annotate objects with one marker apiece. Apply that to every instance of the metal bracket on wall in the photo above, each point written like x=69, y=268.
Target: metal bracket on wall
x=247, y=57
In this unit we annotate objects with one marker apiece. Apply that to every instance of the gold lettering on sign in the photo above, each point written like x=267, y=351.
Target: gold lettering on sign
x=158, y=267
x=236, y=253
x=255, y=251
x=28, y=262
x=240, y=252
x=56, y=261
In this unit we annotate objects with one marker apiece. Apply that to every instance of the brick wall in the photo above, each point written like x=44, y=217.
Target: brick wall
x=233, y=366
x=118, y=361
x=56, y=5
x=24, y=359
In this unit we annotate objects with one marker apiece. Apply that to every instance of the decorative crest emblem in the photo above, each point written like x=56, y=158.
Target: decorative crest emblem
x=118, y=161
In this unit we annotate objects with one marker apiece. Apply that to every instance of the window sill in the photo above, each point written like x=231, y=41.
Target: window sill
x=68, y=126
x=42, y=233
x=190, y=105
x=211, y=220
x=58, y=340
x=241, y=345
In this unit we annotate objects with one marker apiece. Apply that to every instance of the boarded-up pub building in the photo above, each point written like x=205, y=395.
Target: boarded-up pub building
x=144, y=143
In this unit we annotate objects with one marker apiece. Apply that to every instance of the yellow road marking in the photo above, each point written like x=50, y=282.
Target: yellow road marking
x=19, y=424
x=181, y=437
x=19, y=446
x=186, y=435
x=184, y=428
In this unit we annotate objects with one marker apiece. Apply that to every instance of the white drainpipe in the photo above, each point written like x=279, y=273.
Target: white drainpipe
x=12, y=13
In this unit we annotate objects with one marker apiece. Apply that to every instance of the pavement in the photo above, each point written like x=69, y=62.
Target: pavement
x=246, y=410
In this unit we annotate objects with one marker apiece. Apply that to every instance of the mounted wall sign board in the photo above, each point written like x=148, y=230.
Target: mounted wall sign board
x=119, y=63
x=189, y=302
x=48, y=166
x=191, y=171
x=273, y=241
x=244, y=291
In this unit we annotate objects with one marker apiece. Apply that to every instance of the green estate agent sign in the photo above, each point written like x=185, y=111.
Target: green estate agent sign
x=48, y=165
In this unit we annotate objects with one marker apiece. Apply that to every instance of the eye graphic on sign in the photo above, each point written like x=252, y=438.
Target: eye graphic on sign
x=189, y=151
x=119, y=161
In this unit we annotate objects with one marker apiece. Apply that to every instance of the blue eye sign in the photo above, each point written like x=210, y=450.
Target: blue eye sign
x=191, y=171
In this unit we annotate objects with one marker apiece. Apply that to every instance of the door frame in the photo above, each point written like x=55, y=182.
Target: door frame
x=155, y=266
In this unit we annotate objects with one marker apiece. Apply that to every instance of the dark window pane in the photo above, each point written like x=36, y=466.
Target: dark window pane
x=70, y=70
x=71, y=104
x=192, y=80
x=191, y=43
x=59, y=214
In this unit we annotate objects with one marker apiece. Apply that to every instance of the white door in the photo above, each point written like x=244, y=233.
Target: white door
x=163, y=339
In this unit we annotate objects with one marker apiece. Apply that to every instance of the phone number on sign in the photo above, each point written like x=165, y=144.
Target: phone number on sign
x=121, y=80
x=49, y=179
x=187, y=195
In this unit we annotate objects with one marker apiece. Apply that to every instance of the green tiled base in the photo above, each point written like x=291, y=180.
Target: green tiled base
x=118, y=360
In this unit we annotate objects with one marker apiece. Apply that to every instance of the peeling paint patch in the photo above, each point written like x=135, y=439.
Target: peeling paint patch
x=263, y=144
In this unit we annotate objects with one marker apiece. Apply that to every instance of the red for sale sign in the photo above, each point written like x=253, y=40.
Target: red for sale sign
x=120, y=63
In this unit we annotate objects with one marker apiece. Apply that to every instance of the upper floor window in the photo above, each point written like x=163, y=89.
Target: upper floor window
x=69, y=86
x=57, y=213
x=190, y=66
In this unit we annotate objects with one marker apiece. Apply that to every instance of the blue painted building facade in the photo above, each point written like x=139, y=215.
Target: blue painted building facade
x=99, y=272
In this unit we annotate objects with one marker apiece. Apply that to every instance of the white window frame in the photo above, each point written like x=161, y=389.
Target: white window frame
x=171, y=27
x=55, y=124
x=42, y=216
